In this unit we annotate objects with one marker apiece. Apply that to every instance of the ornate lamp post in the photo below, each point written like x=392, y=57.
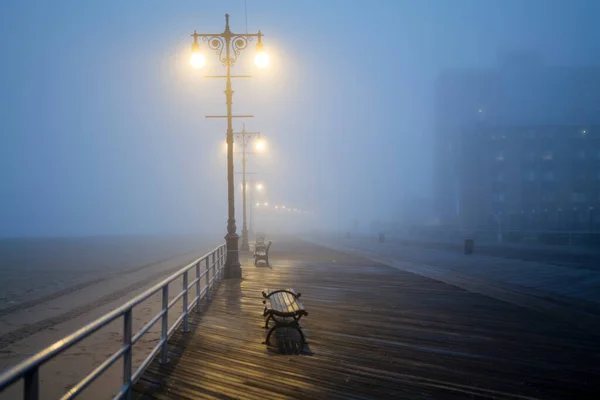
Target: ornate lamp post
x=228, y=46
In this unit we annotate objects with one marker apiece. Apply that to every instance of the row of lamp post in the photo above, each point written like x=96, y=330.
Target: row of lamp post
x=254, y=187
x=245, y=139
x=228, y=46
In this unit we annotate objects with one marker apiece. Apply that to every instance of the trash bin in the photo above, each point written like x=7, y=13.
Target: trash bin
x=469, y=246
x=381, y=238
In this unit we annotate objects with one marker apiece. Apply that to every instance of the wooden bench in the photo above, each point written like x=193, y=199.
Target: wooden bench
x=261, y=252
x=284, y=307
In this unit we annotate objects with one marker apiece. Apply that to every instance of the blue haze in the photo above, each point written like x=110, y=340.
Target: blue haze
x=102, y=127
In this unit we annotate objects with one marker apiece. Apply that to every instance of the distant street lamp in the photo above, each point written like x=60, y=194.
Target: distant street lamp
x=260, y=145
x=258, y=187
x=245, y=138
x=499, y=220
x=231, y=44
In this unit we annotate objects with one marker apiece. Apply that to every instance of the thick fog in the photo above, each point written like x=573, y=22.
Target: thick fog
x=102, y=118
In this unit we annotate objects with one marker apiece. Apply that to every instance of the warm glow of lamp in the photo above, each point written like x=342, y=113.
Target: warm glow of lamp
x=260, y=145
x=261, y=59
x=259, y=186
x=197, y=59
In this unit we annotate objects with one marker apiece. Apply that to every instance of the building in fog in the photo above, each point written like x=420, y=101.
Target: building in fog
x=518, y=146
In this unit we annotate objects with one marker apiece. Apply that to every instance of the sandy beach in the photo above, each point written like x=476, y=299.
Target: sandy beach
x=50, y=288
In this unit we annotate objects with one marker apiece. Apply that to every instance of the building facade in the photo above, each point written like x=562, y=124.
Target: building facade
x=530, y=178
x=518, y=147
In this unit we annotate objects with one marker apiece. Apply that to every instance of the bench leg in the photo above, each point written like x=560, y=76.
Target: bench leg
x=267, y=321
x=297, y=327
x=270, y=333
x=301, y=335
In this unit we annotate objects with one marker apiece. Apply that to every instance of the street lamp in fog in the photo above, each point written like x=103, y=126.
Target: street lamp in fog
x=228, y=46
x=245, y=138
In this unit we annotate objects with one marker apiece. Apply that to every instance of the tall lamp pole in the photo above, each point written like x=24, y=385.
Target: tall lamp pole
x=231, y=44
x=245, y=139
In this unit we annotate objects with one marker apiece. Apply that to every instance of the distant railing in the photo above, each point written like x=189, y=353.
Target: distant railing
x=28, y=370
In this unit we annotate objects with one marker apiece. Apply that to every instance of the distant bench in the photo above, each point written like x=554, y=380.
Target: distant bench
x=284, y=307
x=261, y=252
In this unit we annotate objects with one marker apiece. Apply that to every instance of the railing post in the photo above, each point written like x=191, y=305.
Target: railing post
x=223, y=254
x=208, y=278
x=218, y=265
x=213, y=265
x=185, y=303
x=223, y=258
x=164, y=358
x=127, y=356
x=198, y=306
x=32, y=384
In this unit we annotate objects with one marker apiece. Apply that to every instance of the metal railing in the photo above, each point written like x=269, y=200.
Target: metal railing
x=28, y=370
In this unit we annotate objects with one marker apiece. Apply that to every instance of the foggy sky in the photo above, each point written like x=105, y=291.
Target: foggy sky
x=102, y=120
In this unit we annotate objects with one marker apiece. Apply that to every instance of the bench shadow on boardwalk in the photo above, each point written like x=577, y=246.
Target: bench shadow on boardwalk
x=372, y=332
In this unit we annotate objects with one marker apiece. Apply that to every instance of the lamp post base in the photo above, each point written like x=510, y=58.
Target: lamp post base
x=233, y=268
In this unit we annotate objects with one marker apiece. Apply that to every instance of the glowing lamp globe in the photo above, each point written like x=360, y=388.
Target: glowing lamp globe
x=197, y=60
x=261, y=59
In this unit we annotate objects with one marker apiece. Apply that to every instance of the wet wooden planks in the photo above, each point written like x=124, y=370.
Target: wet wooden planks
x=373, y=332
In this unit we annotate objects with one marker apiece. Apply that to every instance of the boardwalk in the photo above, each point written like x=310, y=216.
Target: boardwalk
x=373, y=332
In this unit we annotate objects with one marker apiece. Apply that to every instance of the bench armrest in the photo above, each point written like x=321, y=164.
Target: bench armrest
x=267, y=294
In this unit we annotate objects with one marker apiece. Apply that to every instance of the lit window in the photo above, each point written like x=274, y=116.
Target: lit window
x=547, y=155
x=500, y=156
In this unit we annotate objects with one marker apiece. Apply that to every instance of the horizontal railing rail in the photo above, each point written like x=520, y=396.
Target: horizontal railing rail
x=28, y=370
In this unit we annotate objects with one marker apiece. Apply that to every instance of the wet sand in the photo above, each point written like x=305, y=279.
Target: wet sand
x=50, y=288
